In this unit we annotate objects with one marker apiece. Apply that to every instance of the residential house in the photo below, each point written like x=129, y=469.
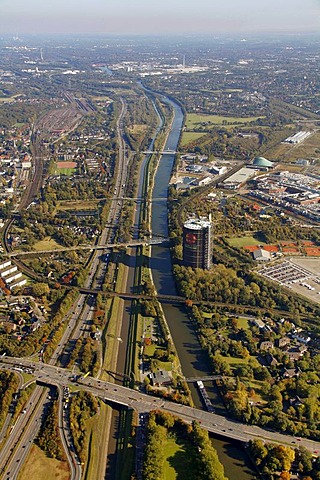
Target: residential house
x=160, y=378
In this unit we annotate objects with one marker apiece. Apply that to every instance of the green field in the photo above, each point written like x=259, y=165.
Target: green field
x=95, y=427
x=111, y=336
x=38, y=466
x=10, y=99
x=189, y=137
x=290, y=153
x=6, y=100
x=244, y=241
x=149, y=350
x=164, y=366
x=243, y=323
x=235, y=361
x=194, y=120
x=47, y=243
x=102, y=98
x=138, y=129
x=78, y=205
x=65, y=171
x=178, y=461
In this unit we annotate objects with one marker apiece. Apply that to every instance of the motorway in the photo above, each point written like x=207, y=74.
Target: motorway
x=218, y=424
x=18, y=443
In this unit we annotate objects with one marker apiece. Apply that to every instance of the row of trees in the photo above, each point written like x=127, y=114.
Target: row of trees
x=83, y=406
x=88, y=357
x=49, y=437
x=207, y=463
x=8, y=385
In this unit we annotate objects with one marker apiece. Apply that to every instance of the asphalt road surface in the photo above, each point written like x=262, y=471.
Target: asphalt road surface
x=141, y=402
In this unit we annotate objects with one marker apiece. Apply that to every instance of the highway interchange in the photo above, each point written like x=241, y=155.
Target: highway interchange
x=218, y=424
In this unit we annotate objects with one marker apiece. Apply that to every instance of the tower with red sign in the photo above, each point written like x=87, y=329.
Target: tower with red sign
x=197, y=243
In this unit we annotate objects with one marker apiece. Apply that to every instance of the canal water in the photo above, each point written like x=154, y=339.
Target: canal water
x=193, y=360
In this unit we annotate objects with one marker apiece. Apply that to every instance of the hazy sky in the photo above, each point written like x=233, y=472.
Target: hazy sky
x=154, y=16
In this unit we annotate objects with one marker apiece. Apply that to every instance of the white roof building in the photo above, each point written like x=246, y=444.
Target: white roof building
x=261, y=255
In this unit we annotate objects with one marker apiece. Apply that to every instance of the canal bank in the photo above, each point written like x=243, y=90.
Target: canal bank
x=119, y=454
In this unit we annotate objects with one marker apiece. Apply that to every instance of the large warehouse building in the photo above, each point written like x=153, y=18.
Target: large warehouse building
x=197, y=243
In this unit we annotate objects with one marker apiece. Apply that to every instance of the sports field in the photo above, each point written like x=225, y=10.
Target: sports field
x=66, y=168
x=244, y=241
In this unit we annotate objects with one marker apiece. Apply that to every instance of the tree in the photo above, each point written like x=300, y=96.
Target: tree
x=285, y=455
x=40, y=289
x=220, y=366
x=285, y=475
x=304, y=459
x=208, y=464
x=258, y=450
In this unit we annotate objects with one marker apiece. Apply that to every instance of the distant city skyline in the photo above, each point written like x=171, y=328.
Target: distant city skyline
x=167, y=16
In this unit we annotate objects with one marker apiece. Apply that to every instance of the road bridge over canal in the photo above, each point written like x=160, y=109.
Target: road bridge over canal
x=110, y=392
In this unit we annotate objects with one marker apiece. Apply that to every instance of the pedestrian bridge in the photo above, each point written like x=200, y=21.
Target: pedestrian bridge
x=160, y=152
x=133, y=243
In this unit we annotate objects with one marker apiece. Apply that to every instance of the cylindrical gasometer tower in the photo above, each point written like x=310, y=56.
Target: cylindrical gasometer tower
x=197, y=243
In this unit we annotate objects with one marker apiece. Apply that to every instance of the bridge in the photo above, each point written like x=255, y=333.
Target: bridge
x=133, y=243
x=118, y=375
x=141, y=199
x=160, y=152
x=203, y=379
x=171, y=299
x=110, y=392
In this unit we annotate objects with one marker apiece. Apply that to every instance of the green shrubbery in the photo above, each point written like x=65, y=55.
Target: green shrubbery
x=49, y=438
x=83, y=406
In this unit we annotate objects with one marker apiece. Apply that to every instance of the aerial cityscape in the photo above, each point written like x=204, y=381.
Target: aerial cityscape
x=160, y=241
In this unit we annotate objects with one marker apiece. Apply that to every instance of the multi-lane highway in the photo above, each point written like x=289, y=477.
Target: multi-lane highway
x=141, y=402
x=18, y=444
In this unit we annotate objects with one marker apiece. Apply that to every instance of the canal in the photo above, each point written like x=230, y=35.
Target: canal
x=193, y=360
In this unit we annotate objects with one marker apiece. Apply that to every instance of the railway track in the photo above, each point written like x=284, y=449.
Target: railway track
x=80, y=314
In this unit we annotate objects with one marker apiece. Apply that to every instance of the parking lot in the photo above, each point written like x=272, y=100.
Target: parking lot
x=302, y=275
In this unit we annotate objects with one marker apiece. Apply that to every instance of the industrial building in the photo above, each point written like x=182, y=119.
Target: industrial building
x=197, y=243
x=239, y=178
x=298, y=137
